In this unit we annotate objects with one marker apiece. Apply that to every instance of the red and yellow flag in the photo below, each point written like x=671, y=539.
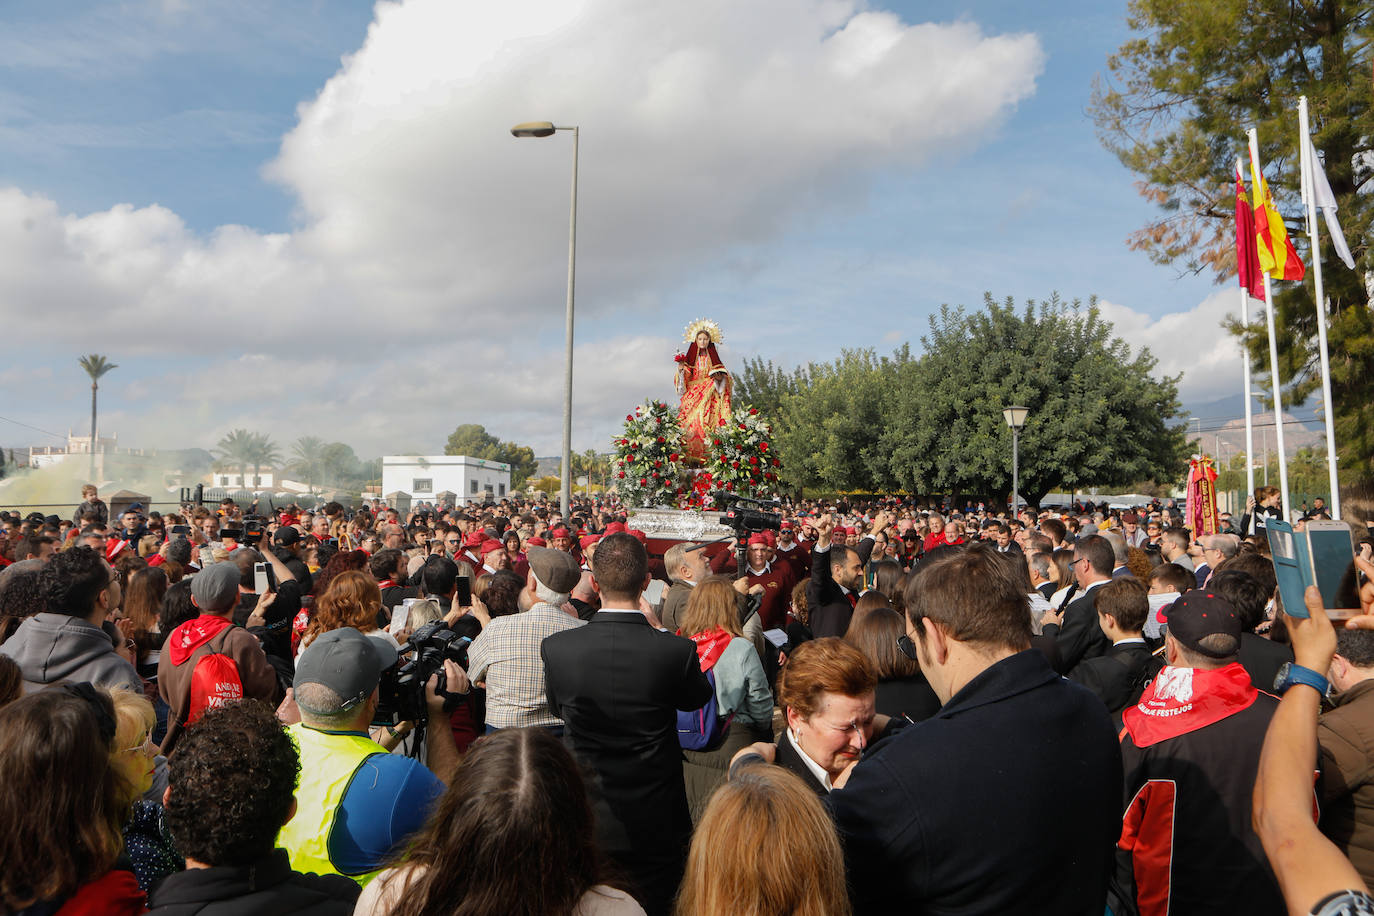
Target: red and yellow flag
x=1247, y=253
x=1277, y=256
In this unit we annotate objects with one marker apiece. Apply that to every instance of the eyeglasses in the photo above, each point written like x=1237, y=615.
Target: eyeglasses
x=147, y=747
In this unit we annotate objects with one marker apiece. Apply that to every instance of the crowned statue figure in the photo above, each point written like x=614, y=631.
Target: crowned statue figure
x=704, y=386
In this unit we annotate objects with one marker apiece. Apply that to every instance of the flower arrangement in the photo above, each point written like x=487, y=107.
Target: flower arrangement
x=647, y=468
x=679, y=357
x=742, y=458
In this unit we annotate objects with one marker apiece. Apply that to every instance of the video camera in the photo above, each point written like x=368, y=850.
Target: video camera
x=253, y=529
x=747, y=515
x=402, y=688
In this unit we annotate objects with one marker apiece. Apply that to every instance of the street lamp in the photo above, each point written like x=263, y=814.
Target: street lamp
x=546, y=129
x=1016, y=418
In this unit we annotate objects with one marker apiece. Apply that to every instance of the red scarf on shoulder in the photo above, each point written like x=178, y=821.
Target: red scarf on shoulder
x=1182, y=700
x=710, y=644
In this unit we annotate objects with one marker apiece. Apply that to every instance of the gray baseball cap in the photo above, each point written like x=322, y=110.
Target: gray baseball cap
x=216, y=588
x=347, y=662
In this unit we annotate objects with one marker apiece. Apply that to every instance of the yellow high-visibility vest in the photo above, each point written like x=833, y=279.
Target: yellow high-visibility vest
x=328, y=763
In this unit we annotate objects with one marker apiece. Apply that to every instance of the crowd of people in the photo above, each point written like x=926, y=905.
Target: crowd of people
x=869, y=706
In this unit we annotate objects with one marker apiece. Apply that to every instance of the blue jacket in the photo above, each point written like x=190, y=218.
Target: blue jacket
x=1004, y=802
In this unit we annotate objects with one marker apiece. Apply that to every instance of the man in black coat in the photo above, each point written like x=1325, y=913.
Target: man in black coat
x=938, y=819
x=837, y=578
x=1075, y=633
x=617, y=684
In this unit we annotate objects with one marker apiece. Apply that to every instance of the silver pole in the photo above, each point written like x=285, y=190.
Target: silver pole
x=1015, y=470
x=565, y=483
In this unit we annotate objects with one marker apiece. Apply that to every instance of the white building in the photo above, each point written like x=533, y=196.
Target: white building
x=426, y=476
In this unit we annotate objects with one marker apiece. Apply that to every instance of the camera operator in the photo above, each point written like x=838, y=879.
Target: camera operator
x=286, y=544
x=357, y=804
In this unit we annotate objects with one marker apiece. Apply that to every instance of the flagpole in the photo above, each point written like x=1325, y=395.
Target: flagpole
x=1245, y=377
x=1273, y=357
x=1309, y=198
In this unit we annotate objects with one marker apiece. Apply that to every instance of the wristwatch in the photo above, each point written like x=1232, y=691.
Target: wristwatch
x=1291, y=674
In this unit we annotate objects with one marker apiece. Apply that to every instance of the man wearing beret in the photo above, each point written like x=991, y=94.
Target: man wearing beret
x=505, y=658
x=1190, y=751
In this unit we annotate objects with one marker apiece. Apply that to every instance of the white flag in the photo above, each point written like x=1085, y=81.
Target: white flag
x=1326, y=202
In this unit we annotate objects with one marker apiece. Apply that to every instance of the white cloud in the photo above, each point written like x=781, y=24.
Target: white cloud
x=705, y=126
x=1192, y=342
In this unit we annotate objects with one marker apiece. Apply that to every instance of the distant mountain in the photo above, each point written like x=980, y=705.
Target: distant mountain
x=1222, y=425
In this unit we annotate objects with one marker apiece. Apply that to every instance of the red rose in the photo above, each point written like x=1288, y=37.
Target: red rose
x=658, y=464
x=716, y=442
x=753, y=412
x=735, y=464
x=777, y=463
x=643, y=482
x=622, y=473
x=673, y=457
x=661, y=440
x=753, y=459
x=630, y=458
x=629, y=417
x=763, y=446
x=741, y=426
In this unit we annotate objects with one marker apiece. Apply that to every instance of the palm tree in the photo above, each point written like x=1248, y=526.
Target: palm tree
x=236, y=450
x=263, y=451
x=95, y=366
x=308, y=458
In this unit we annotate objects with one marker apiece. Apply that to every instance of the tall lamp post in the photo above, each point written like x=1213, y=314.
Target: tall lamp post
x=1016, y=418
x=546, y=129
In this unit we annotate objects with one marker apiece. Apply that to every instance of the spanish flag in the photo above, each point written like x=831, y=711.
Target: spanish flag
x=1276, y=253
x=1247, y=253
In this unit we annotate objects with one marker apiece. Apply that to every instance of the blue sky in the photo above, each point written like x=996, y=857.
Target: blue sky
x=378, y=261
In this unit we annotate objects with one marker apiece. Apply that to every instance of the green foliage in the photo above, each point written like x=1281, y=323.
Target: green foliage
x=96, y=366
x=473, y=440
x=934, y=424
x=764, y=386
x=1182, y=92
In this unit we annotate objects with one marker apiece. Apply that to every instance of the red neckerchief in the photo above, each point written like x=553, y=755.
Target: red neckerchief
x=710, y=644
x=193, y=634
x=386, y=583
x=1182, y=700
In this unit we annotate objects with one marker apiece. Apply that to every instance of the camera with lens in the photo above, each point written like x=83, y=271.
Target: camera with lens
x=747, y=515
x=253, y=529
x=402, y=688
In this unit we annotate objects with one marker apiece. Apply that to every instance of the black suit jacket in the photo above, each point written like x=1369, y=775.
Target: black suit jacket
x=1080, y=636
x=617, y=684
x=829, y=606
x=1117, y=677
x=789, y=757
x=1262, y=658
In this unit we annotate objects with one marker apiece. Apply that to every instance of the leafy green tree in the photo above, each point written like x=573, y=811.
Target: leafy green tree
x=263, y=452
x=829, y=419
x=473, y=440
x=764, y=386
x=1181, y=93
x=1097, y=416
x=95, y=366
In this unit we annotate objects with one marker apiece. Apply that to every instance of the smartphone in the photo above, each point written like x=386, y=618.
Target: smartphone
x=260, y=583
x=654, y=592
x=183, y=530
x=464, y=594
x=400, y=615
x=1333, y=557
x=1322, y=555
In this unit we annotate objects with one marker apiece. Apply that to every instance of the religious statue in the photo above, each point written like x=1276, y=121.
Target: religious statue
x=704, y=386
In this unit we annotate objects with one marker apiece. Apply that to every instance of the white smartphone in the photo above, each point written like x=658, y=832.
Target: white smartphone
x=654, y=592
x=260, y=583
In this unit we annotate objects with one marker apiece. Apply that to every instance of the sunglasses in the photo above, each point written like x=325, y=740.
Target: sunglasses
x=906, y=646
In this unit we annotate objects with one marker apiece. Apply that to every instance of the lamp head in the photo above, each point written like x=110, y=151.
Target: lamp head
x=1015, y=416
x=533, y=129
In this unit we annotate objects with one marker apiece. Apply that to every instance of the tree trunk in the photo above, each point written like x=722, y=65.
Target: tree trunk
x=94, y=387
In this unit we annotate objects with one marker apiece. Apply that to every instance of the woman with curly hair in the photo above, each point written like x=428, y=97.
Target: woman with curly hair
x=512, y=836
x=351, y=600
